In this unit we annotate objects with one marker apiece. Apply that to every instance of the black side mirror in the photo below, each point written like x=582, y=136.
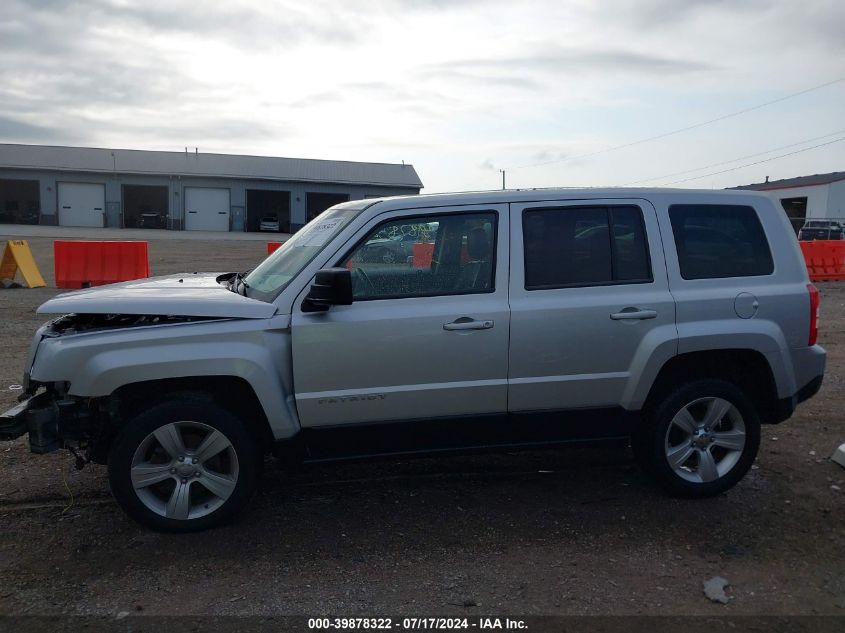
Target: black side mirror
x=331, y=287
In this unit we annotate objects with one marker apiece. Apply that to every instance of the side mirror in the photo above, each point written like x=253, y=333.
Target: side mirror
x=331, y=287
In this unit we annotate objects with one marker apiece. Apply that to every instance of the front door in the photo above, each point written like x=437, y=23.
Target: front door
x=590, y=303
x=427, y=334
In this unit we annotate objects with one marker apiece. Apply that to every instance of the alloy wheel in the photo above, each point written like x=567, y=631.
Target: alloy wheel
x=184, y=470
x=705, y=440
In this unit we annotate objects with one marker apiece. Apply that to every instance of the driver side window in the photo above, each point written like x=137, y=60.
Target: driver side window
x=425, y=256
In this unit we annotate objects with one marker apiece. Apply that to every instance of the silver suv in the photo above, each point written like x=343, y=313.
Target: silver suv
x=677, y=320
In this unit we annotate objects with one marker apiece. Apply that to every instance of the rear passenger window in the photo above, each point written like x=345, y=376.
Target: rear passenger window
x=719, y=240
x=584, y=246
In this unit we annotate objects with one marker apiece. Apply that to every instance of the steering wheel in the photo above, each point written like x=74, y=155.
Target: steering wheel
x=360, y=275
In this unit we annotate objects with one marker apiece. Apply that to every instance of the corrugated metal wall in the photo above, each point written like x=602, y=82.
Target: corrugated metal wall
x=113, y=182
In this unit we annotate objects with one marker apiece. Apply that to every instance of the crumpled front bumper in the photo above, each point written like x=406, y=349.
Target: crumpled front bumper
x=38, y=416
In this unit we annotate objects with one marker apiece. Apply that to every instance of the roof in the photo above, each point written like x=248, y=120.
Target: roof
x=655, y=195
x=801, y=181
x=131, y=161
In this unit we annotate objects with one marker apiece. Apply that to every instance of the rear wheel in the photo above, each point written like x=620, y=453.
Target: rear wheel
x=700, y=440
x=183, y=465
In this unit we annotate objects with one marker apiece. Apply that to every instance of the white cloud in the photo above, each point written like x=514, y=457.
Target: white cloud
x=454, y=87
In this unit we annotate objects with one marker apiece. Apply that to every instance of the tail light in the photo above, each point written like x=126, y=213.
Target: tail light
x=814, y=314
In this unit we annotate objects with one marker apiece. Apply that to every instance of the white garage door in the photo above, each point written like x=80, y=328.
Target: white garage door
x=206, y=209
x=81, y=204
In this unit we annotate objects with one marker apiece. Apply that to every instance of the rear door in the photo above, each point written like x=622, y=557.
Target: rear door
x=590, y=303
x=427, y=334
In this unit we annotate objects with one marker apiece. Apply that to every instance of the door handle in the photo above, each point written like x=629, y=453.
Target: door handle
x=634, y=313
x=465, y=323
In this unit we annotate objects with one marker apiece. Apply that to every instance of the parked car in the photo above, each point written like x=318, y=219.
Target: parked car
x=269, y=223
x=151, y=220
x=821, y=230
x=680, y=326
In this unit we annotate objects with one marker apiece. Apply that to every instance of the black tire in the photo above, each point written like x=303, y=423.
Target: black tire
x=194, y=415
x=651, y=441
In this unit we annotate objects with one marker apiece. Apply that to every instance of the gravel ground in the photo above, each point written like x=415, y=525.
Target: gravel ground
x=576, y=531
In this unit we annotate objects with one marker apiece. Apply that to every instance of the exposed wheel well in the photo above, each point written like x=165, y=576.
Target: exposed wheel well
x=231, y=392
x=747, y=369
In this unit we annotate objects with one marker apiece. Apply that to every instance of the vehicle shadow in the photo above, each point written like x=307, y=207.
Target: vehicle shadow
x=516, y=498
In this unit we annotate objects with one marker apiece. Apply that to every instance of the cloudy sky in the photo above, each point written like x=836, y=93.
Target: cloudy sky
x=547, y=90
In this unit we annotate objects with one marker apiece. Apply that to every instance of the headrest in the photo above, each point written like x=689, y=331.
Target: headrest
x=478, y=246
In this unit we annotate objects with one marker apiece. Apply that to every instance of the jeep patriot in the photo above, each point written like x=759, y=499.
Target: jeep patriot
x=677, y=321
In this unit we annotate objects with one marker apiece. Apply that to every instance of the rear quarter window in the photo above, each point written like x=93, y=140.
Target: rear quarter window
x=718, y=240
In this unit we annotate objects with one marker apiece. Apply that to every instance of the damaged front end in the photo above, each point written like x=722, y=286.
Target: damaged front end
x=78, y=323
x=55, y=419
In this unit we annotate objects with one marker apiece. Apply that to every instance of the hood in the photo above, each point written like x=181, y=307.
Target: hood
x=190, y=294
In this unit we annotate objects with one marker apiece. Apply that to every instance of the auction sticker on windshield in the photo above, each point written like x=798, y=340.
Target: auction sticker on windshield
x=319, y=233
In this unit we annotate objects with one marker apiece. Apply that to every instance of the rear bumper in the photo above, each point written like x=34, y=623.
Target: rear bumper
x=808, y=365
x=809, y=390
x=786, y=406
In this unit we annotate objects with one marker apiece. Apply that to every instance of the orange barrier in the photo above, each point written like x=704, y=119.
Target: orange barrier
x=272, y=246
x=422, y=255
x=83, y=264
x=825, y=259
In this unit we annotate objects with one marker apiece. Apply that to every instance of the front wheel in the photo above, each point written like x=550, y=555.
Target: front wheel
x=700, y=440
x=183, y=465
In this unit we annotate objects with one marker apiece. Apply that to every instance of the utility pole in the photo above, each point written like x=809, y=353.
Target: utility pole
x=503, y=178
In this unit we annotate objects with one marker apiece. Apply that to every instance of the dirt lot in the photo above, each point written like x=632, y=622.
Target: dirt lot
x=576, y=531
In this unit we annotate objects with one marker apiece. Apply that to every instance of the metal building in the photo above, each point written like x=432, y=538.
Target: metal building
x=81, y=186
x=820, y=196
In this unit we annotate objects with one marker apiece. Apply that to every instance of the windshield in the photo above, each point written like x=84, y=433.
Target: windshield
x=272, y=275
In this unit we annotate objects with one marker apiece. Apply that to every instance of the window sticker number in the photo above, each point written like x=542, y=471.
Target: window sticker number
x=318, y=235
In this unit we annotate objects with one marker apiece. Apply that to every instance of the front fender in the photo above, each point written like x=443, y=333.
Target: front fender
x=258, y=351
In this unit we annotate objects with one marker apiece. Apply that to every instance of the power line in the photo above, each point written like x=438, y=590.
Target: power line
x=734, y=160
x=685, y=129
x=759, y=162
